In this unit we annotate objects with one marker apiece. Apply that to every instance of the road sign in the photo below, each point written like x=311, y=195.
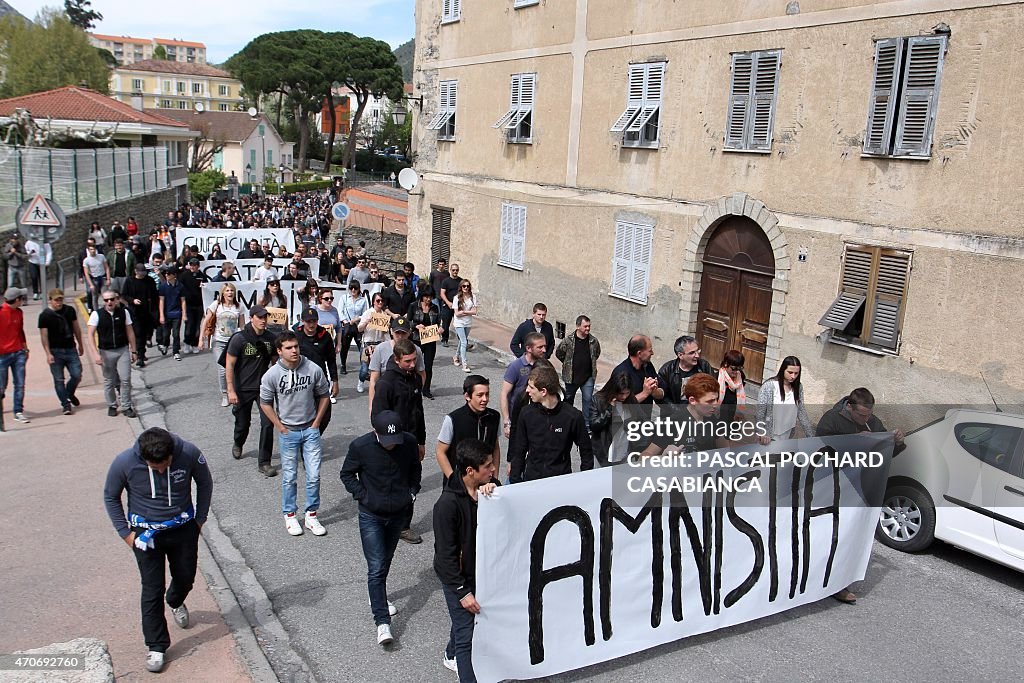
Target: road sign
x=340, y=211
x=40, y=219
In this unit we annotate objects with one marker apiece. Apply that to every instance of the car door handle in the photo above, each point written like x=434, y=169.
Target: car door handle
x=1016, y=492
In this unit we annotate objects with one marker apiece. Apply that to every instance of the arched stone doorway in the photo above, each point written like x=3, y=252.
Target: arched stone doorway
x=734, y=310
x=742, y=249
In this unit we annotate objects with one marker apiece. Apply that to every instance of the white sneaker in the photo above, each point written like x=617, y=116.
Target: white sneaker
x=155, y=662
x=291, y=523
x=180, y=615
x=314, y=525
x=449, y=664
x=384, y=636
x=360, y=386
x=223, y=400
x=20, y=417
x=392, y=610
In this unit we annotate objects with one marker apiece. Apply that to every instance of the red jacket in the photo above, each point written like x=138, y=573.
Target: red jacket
x=12, y=329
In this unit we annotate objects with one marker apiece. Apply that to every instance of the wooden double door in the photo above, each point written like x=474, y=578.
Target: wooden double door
x=736, y=295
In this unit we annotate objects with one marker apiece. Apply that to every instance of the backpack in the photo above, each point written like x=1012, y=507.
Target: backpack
x=249, y=337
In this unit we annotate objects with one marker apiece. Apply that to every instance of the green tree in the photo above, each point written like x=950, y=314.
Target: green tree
x=371, y=69
x=81, y=14
x=202, y=185
x=48, y=54
x=160, y=52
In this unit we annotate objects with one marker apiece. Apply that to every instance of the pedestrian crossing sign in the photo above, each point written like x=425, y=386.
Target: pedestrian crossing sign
x=39, y=212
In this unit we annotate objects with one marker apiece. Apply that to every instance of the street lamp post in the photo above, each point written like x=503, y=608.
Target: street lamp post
x=280, y=186
x=248, y=176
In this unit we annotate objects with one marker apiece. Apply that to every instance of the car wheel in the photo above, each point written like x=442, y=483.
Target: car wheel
x=907, y=519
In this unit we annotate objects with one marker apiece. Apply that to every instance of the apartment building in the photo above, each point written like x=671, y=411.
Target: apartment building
x=163, y=84
x=128, y=50
x=831, y=179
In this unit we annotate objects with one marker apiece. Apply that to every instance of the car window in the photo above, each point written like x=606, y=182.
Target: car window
x=992, y=444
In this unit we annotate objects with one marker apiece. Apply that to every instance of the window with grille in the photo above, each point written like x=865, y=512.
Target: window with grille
x=639, y=124
x=512, y=248
x=518, y=120
x=182, y=104
x=869, y=308
x=904, y=96
x=444, y=120
x=181, y=86
x=752, y=97
x=137, y=84
x=166, y=104
x=440, y=233
x=197, y=88
x=451, y=10
x=631, y=262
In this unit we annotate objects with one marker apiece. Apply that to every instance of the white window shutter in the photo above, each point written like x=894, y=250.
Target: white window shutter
x=739, y=100
x=453, y=91
x=505, y=247
x=622, y=259
x=920, y=97
x=446, y=10
x=456, y=9
x=527, y=86
x=634, y=98
x=513, y=108
x=642, y=237
x=765, y=92
x=442, y=108
x=888, y=54
x=519, y=237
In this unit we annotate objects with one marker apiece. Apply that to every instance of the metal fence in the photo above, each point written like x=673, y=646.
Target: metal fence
x=78, y=178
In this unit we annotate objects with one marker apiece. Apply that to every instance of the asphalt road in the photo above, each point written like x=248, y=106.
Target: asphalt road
x=941, y=616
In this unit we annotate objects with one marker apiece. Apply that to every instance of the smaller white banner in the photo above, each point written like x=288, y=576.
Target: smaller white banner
x=233, y=241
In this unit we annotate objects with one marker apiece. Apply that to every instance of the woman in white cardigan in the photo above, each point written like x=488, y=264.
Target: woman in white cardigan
x=780, y=404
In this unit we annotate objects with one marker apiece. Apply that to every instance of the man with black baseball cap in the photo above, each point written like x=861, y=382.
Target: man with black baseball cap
x=248, y=355
x=382, y=472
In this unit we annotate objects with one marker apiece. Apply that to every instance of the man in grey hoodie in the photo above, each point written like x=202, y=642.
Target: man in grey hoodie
x=162, y=525
x=294, y=395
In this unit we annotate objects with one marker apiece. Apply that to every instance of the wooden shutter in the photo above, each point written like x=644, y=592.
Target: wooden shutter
x=440, y=234
x=505, y=248
x=739, y=100
x=888, y=56
x=622, y=259
x=634, y=99
x=765, y=91
x=653, y=83
x=642, y=237
x=893, y=274
x=853, y=288
x=920, y=95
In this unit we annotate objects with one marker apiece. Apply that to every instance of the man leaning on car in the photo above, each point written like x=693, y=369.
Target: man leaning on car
x=854, y=414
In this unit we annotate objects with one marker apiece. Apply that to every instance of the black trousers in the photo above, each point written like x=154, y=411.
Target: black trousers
x=243, y=418
x=143, y=325
x=178, y=550
x=195, y=319
x=447, y=315
x=348, y=334
x=324, y=422
x=429, y=352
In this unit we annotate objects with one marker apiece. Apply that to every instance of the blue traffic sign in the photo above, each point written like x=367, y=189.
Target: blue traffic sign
x=340, y=211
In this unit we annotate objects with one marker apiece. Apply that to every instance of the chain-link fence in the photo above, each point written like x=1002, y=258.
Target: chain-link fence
x=78, y=178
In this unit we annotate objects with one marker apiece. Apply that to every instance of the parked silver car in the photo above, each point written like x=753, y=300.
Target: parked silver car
x=960, y=480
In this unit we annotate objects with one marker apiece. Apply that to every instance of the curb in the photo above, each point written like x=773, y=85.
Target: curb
x=245, y=606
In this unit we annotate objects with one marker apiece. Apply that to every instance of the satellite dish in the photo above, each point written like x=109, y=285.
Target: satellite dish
x=408, y=178
x=199, y=107
x=253, y=112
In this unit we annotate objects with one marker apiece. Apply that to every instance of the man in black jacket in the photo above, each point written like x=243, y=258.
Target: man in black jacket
x=317, y=344
x=537, y=323
x=192, y=279
x=249, y=354
x=398, y=297
x=399, y=389
x=382, y=472
x=141, y=297
x=672, y=375
x=546, y=432
x=455, y=549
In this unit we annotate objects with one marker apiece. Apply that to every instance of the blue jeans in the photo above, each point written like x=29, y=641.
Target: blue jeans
x=65, y=359
x=463, y=334
x=588, y=397
x=96, y=291
x=460, y=640
x=379, y=535
x=308, y=442
x=16, y=362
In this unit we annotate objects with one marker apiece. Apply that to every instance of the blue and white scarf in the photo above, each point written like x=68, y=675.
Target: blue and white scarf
x=144, y=541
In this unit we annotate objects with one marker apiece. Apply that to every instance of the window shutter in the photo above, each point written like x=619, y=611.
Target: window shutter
x=888, y=54
x=446, y=9
x=739, y=100
x=622, y=258
x=920, y=96
x=513, y=108
x=653, y=82
x=440, y=234
x=642, y=237
x=453, y=91
x=505, y=249
x=442, y=108
x=527, y=85
x=890, y=292
x=519, y=236
x=456, y=9
x=634, y=99
x=853, y=288
x=765, y=91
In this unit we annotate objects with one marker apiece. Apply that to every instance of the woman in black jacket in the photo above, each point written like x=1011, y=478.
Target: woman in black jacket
x=606, y=418
x=423, y=313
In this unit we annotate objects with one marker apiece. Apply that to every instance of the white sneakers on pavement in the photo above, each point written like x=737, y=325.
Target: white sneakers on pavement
x=180, y=615
x=223, y=400
x=20, y=417
x=291, y=523
x=384, y=636
x=155, y=662
x=449, y=664
x=314, y=525
x=360, y=386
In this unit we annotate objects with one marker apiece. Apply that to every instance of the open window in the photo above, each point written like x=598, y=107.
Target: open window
x=444, y=121
x=640, y=122
x=518, y=120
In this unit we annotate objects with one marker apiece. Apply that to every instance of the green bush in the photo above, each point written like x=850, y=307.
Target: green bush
x=368, y=162
x=271, y=188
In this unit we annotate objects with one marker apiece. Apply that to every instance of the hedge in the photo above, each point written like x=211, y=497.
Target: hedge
x=271, y=188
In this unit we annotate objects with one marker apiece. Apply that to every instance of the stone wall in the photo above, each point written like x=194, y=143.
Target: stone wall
x=391, y=247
